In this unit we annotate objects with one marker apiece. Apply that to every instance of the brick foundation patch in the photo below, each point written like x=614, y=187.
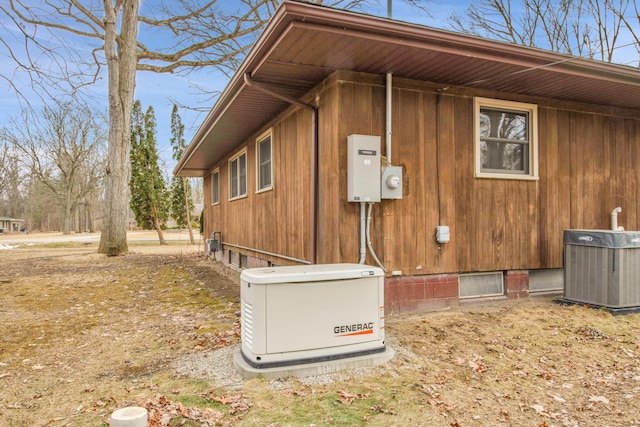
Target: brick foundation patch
x=419, y=294
x=517, y=284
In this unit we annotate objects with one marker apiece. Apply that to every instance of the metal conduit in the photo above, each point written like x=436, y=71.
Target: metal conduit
x=301, y=261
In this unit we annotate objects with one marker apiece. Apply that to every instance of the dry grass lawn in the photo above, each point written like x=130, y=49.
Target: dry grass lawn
x=82, y=335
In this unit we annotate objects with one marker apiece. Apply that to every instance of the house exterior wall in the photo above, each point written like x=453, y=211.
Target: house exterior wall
x=587, y=159
x=274, y=220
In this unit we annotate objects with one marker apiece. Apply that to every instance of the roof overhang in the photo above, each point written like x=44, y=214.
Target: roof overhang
x=304, y=43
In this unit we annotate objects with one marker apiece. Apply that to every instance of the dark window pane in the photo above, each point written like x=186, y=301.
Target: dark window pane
x=265, y=163
x=215, y=186
x=505, y=156
x=234, y=178
x=503, y=125
x=243, y=174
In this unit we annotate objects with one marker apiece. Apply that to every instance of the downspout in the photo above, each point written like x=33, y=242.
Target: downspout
x=313, y=217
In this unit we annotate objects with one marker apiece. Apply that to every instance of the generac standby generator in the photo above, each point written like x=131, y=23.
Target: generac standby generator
x=314, y=313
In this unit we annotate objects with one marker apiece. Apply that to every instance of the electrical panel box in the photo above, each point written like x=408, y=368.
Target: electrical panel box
x=363, y=170
x=391, y=182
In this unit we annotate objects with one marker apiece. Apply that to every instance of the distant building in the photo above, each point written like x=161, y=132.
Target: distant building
x=8, y=225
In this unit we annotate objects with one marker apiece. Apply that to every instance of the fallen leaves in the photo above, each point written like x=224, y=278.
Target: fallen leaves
x=162, y=410
x=591, y=333
x=478, y=364
x=600, y=399
x=217, y=339
x=347, y=398
x=540, y=410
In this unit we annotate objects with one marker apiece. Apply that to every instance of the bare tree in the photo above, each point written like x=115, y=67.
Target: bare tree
x=11, y=181
x=60, y=148
x=195, y=33
x=5, y=164
x=588, y=28
x=631, y=22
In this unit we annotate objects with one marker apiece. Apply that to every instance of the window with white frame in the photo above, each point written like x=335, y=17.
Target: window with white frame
x=238, y=176
x=505, y=139
x=264, y=175
x=215, y=187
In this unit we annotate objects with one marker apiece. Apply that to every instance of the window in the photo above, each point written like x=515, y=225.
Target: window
x=238, y=176
x=215, y=187
x=505, y=139
x=263, y=160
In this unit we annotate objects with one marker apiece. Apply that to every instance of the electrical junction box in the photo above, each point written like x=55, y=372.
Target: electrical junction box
x=313, y=313
x=363, y=168
x=443, y=235
x=391, y=182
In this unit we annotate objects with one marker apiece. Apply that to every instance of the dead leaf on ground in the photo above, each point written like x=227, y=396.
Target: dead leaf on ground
x=347, y=398
x=540, y=410
x=599, y=399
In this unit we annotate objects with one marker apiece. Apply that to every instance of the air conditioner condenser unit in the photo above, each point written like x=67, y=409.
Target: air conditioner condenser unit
x=602, y=268
x=313, y=313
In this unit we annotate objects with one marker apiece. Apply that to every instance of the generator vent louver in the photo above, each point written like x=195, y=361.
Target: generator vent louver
x=247, y=323
x=602, y=267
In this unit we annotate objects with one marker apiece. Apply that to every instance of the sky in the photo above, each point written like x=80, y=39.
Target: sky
x=162, y=90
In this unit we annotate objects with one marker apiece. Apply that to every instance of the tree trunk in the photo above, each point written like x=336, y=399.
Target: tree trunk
x=120, y=53
x=158, y=227
x=66, y=227
x=186, y=207
x=77, y=226
x=90, y=219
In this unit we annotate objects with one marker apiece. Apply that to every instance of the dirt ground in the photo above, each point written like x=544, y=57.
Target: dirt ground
x=82, y=334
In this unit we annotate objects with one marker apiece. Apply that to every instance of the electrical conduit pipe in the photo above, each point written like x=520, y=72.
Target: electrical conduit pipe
x=363, y=239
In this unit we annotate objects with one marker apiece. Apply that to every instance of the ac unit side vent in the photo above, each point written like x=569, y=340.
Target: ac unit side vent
x=246, y=329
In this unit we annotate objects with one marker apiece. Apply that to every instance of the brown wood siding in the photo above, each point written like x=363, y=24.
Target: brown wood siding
x=275, y=220
x=587, y=158
x=586, y=168
x=353, y=108
x=328, y=177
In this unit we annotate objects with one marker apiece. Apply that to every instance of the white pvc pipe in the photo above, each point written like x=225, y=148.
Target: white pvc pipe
x=132, y=416
x=614, y=219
